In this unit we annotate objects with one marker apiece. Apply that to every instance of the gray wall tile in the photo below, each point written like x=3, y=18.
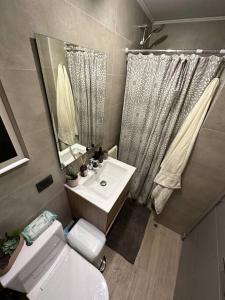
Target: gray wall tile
x=215, y=118
x=102, y=10
x=126, y=23
x=203, y=35
x=19, y=20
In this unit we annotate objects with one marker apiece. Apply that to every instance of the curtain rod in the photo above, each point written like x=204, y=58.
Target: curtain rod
x=197, y=51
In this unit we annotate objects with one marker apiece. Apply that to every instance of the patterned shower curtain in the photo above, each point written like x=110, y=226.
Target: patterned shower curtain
x=88, y=78
x=160, y=92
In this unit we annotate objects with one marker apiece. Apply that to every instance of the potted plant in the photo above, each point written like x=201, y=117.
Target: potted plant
x=10, y=247
x=71, y=176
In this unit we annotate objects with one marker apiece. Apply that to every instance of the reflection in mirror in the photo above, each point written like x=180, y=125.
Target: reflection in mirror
x=74, y=79
x=7, y=150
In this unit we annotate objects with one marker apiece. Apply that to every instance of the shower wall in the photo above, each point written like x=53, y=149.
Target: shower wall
x=202, y=35
x=204, y=177
x=106, y=25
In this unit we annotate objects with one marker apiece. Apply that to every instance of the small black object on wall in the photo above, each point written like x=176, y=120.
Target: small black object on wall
x=44, y=183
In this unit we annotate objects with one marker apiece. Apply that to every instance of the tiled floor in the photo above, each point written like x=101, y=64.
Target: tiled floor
x=153, y=276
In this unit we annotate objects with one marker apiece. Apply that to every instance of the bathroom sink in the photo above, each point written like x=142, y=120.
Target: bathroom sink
x=103, y=186
x=106, y=181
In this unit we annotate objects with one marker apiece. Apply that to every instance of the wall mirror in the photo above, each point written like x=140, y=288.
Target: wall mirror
x=12, y=149
x=74, y=79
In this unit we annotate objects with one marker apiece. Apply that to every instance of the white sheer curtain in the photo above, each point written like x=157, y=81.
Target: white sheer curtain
x=160, y=92
x=88, y=77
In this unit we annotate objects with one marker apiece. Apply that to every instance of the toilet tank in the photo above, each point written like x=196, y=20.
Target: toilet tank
x=33, y=261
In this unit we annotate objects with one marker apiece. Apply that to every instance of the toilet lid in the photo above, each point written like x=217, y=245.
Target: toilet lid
x=71, y=278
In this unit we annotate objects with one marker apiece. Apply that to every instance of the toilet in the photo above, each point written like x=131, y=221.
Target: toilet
x=51, y=269
x=89, y=241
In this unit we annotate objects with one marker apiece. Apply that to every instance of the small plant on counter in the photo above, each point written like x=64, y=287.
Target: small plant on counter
x=10, y=242
x=8, y=245
x=71, y=176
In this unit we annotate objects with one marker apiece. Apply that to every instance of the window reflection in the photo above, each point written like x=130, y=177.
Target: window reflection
x=7, y=150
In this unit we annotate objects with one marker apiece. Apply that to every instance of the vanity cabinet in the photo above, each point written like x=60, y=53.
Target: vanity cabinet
x=103, y=220
x=201, y=274
x=100, y=195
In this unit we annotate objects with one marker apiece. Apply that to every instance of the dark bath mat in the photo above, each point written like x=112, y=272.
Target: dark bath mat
x=127, y=232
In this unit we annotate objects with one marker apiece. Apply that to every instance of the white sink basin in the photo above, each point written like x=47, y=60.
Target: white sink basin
x=104, y=187
x=106, y=181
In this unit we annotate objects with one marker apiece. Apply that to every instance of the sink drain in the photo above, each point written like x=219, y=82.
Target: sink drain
x=103, y=183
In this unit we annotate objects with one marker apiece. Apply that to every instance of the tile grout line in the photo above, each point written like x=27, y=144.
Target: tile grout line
x=214, y=130
x=17, y=69
x=96, y=20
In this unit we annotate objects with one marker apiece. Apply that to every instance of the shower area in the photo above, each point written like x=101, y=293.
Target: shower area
x=168, y=97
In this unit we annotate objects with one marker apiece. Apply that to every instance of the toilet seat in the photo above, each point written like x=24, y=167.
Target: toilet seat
x=71, y=277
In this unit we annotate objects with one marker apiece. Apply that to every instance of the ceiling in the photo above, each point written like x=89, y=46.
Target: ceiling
x=173, y=11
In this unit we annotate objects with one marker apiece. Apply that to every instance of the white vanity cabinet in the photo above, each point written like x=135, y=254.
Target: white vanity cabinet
x=103, y=220
x=101, y=194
